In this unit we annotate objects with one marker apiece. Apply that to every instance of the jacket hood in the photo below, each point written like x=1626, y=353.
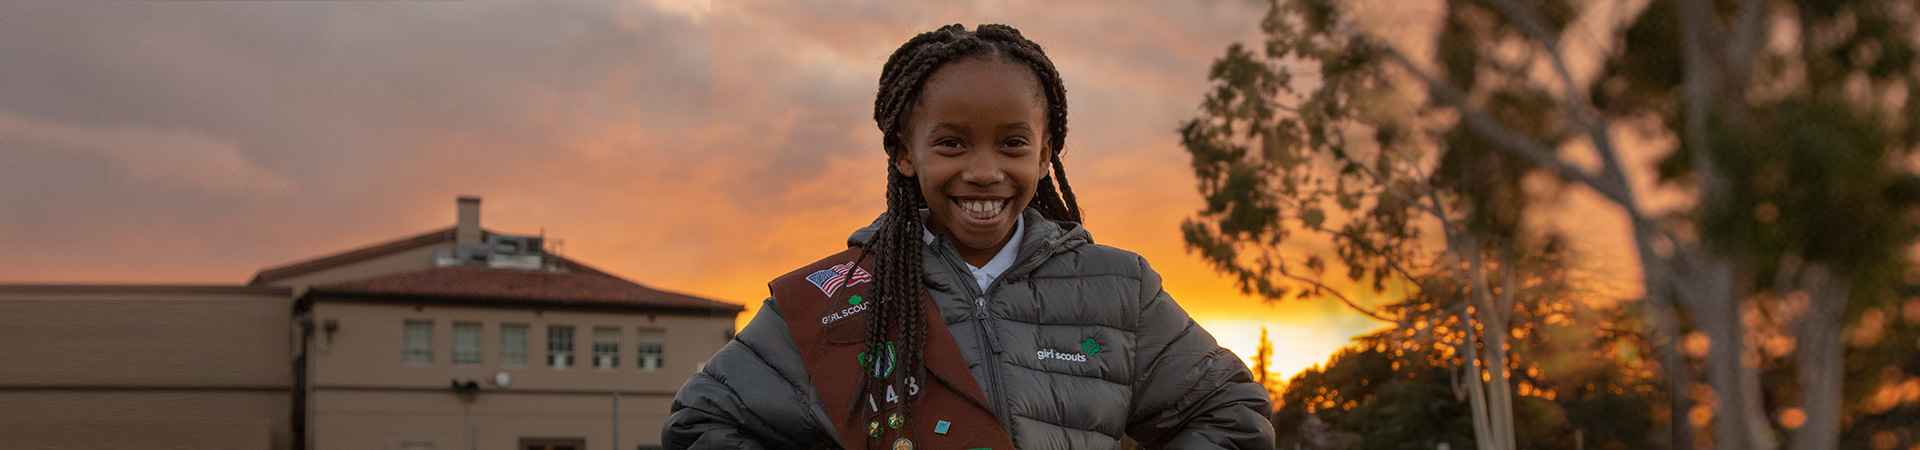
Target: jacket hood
x=1044, y=237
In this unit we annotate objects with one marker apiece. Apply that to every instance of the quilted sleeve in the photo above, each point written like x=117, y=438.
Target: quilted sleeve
x=1190, y=393
x=753, y=394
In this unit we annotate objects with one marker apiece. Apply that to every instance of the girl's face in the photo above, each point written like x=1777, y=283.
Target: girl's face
x=976, y=142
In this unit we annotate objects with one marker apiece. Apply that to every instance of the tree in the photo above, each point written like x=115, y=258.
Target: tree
x=1785, y=152
x=1348, y=157
x=1262, y=359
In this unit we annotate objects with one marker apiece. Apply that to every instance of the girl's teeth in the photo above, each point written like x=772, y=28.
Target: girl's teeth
x=982, y=209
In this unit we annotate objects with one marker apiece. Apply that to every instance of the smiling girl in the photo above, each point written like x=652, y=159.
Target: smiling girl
x=976, y=312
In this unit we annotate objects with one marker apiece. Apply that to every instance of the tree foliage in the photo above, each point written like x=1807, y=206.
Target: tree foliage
x=1397, y=389
x=1792, y=126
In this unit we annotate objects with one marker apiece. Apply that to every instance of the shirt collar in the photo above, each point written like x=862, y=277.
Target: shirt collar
x=1001, y=261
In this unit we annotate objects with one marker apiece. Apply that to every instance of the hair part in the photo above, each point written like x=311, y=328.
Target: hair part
x=896, y=245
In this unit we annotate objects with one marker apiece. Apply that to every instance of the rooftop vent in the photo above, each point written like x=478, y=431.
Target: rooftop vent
x=500, y=251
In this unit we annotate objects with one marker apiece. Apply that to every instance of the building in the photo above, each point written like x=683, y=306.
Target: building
x=458, y=338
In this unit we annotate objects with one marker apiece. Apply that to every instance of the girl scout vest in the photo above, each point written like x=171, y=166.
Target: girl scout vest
x=825, y=306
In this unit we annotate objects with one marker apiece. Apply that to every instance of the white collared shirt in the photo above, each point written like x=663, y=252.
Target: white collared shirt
x=1000, y=262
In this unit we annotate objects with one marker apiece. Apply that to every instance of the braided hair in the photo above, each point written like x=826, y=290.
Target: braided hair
x=896, y=246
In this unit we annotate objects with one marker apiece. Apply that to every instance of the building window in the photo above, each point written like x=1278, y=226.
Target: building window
x=560, y=346
x=466, y=343
x=513, y=344
x=418, y=345
x=606, y=347
x=653, y=348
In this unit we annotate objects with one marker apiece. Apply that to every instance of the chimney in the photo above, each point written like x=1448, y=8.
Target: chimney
x=468, y=229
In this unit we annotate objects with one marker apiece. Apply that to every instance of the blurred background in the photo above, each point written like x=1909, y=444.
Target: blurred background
x=1433, y=224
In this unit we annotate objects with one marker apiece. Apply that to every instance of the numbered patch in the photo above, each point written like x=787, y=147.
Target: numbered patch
x=892, y=396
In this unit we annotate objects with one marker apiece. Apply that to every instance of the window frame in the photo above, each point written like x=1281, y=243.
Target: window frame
x=605, y=347
x=414, y=345
x=659, y=349
x=478, y=331
x=554, y=347
x=508, y=358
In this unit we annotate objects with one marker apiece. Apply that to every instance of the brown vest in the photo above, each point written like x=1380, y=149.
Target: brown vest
x=825, y=306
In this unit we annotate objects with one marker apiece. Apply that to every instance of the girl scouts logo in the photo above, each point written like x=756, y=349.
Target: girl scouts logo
x=1088, y=347
x=830, y=280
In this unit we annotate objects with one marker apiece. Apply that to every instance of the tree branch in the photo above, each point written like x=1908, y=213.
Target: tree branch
x=1318, y=286
x=1577, y=106
x=1513, y=140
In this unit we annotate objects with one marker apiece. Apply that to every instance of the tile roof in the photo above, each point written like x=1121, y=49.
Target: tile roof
x=356, y=255
x=429, y=238
x=481, y=285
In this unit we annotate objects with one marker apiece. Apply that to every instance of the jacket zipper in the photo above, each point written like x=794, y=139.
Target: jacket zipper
x=992, y=353
x=980, y=315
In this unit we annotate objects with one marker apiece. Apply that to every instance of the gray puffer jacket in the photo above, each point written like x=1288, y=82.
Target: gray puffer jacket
x=1075, y=345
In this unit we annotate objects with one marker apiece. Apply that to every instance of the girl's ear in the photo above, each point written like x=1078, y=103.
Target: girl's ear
x=903, y=163
x=903, y=157
x=1046, y=160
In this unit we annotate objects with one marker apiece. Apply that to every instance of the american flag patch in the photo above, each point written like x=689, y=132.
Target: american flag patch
x=830, y=280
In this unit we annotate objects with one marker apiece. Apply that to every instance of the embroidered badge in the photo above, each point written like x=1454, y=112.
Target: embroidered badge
x=896, y=420
x=941, y=427
x=1090, y=347
x=882, y=368
x=873, y=429
x=831, y=280
x=903, y=444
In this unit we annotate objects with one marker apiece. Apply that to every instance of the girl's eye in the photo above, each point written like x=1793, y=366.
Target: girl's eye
x=949, y=143
x=1016, y=142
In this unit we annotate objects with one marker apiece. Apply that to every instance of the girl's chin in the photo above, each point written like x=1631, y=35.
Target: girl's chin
x=971, y=234
x=980, y=241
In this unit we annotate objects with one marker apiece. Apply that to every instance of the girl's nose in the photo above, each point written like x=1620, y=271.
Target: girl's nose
x=982, y=170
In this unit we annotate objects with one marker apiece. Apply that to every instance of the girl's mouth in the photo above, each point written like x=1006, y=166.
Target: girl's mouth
x=982, y=210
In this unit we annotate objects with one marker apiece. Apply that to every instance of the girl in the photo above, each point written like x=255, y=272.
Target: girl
x=976, y=312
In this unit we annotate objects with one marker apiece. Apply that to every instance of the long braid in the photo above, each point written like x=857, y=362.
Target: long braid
x=892, y=246
x=1066, y=190
x=904, y=291
x=898, y=308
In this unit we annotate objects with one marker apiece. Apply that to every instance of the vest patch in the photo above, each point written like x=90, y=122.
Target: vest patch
x=838, y=357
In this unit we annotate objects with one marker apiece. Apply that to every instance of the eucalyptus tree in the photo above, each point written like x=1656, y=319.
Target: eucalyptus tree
x=1791, y=122
x=1315, y=133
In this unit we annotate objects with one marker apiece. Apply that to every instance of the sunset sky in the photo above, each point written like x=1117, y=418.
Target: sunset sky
x=696, y=146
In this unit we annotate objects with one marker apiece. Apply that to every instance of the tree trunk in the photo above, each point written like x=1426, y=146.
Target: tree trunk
x=1740, y=421
x=1821, y=358
x=1492, y=397
x=1666, y=319
x=1476, y=392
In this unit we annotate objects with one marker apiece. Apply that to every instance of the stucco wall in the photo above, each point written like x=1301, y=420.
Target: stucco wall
x=119, y=367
